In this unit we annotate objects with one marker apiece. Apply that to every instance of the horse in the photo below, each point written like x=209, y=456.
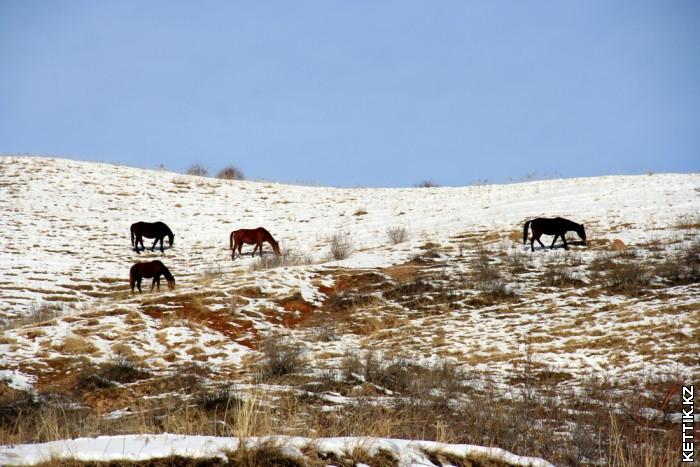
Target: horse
x=157, y=230
x=153, y=269
x=251, y=236
x=557, y=227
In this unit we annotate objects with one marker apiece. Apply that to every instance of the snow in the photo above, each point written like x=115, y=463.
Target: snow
x=143, y=447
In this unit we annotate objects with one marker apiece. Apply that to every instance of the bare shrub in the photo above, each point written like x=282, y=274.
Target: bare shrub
x=426, y=184
x=397, y=235
x=219, y=401
x=282, y=358
x=617, y=273
x=688, y=222
x=198, y=170
x=285, y=259
x=341, y=246
x=122, y=370
x=517, y=261
x=558, y=274
x=38, y=313
x=682, y=267
x=230, y=172
x=488, y=279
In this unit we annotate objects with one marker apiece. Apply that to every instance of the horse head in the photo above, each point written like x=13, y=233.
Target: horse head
x=275, y=247
x=581, y=231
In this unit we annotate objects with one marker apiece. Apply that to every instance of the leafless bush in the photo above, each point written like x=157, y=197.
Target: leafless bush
x=626, y=276
x=38, y=313
x=426, y=184
x=198, y=170
x=341, y=246
x=517, y=261
x=559, y=274
x=397, y=235
x=122, y=370
x=230, y=173
x=220, y=401
x=285, y=259
x=282, y=358
x=681, y=267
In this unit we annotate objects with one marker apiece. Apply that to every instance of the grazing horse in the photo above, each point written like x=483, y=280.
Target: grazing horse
x=252, y=236
x=153, y=269
x=557, y=227
x=157, y=230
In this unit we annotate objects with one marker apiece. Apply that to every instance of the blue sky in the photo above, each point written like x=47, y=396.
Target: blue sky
x=356, y=93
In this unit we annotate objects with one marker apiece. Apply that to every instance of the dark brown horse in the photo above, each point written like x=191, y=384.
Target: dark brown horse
x=157, y=230
x=252, y=236
x=557, y=227
x=153, y=269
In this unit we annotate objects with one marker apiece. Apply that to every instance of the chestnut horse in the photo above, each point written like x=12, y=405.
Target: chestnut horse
x=557, y=227
x=251, y=236
x=153, y=269
x=157, y=230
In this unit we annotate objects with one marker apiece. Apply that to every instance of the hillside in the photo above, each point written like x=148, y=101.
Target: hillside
x=460, y=301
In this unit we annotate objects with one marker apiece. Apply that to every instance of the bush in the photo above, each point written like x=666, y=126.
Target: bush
x=282, y=358
x=198, y=170
x=426, y=184
x=683, y=267
x=230, y=173
x=284, y=260
x=397, y=235
x=222, y=400
x=341, y=246
x=627, y=276
x=123, y=370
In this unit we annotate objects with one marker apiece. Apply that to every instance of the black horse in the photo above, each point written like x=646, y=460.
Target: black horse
x=157, y=230
x=153, y=269
x=557, y=227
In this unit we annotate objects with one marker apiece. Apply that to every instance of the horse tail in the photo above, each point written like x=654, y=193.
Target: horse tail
x=525, y=227
x=169, y=277
x=132, y=235
x=231, y=238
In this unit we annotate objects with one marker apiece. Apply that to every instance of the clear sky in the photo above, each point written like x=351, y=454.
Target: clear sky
x=356, y=93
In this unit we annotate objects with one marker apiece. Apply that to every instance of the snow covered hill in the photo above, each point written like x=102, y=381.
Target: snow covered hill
x=462, y=288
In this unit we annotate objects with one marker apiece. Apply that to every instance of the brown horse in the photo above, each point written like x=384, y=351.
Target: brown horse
x=153, y=269
x=157, y=230
x=252, y=236
x=557, y=227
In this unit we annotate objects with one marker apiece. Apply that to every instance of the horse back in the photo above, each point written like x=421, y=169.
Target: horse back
x=553, y=226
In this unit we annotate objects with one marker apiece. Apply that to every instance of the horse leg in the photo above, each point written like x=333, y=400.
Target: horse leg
x=240, y=248
x=138, y=284
x=143, y=248
x=563, y=239
x=161, y=244
x=254, y=250
x=551, y=247
x=261, y=247
x=540, y=241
